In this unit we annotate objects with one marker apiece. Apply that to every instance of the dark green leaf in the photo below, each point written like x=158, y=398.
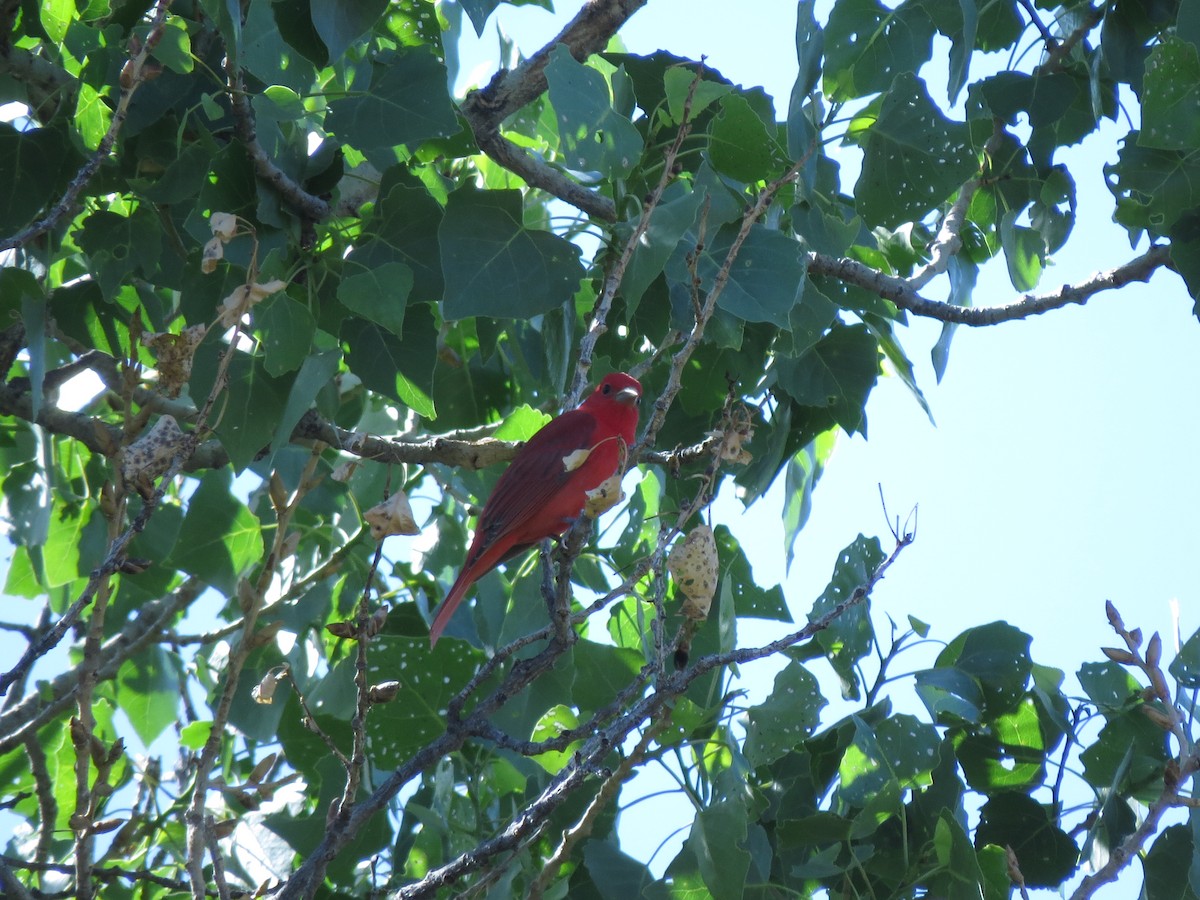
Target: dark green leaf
x=1185, y=667
x=837, y=375
x=750, y=600
x=850, y=635
x=220, y=537
x=1167, y=865
x=914, y=157
x=788, y=716
x=148, y=691
x=341, y=24
x=741, y=146
x=379, y=294
x=867, y=45
x=485, y=245
x=764, y=281
x=997, y=656
x=315, y=373
x=406, y=103
x=593, y=136
x=1171, y=101
x=1047, y=854
x=33, y=167
x=287, y=331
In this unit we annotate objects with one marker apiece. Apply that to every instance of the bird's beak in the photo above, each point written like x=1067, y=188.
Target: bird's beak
x=627, y=397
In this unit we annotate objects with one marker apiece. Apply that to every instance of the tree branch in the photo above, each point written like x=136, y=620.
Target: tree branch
x=484, y=109
x=290, y=191
x=901, y=293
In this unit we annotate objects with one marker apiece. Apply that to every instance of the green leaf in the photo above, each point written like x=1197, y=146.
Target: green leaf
x=194, y=735
x=1153, y=188
x=669, y=221
x=716, y=839
x=220, y=538
x=479, y=10
x=593, y=136
x=764, y=281
x=750, y=600
x=677, y=83
x=810, y=47
x=92, y=116
x=148, y=691
x=1024, y=252
x=341, y=24
x=287, y=329
x=1171, y=98
x=801, y=475
x=404, y=228
x=850, y=636
x=1167, y=864
x=837, y=375
x=32, y=166
x=914, y=157
x=995, y=655
x=57, y=16
x=1185, y=667
x=740, y=144
x=392, y=366
x=867, y=45
x=316, y=372
x=428, y=678
x=614, y=875
x=266, y=54
x=521, y=424
x=174, y=48
x=783, y=721
x=379, y=294
x=963, y=273
x=407, y=102
x=494, y=266
x=555, y=721
x=1047, y=853
x=898, y=753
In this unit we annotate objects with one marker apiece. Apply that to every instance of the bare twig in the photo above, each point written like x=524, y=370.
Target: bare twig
x=614, y=276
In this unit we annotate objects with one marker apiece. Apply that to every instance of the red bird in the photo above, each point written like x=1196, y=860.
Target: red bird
x=545, y=487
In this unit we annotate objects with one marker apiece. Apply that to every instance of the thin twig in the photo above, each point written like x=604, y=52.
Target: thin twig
x=615, y=275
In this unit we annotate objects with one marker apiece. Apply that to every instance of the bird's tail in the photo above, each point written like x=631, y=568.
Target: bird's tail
x=449, y=605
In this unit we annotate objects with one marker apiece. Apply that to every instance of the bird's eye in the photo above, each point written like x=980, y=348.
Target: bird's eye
x=607, y=389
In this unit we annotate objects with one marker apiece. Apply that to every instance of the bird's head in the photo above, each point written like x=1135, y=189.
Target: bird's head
x=619, y=388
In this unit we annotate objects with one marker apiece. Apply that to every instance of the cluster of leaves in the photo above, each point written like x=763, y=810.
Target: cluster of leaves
x=406, y=278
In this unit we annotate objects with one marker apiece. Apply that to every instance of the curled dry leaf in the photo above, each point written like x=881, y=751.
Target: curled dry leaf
x=576, y=458
x=151, y=454
x=393, y=516
x=174, y=353
x=264, y=691
x=223, y=224
x=341, y=629
x=738, y=429
x=245, y=297
x=214, y=252
x=383, y=692
x=604, y=496
x=693, y=565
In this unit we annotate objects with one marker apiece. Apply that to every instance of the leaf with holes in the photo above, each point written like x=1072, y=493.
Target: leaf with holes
x=867, y=45
x=593, y=136
x=914, y=157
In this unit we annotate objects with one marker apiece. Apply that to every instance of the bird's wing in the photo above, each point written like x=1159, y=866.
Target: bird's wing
x=534, y=477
